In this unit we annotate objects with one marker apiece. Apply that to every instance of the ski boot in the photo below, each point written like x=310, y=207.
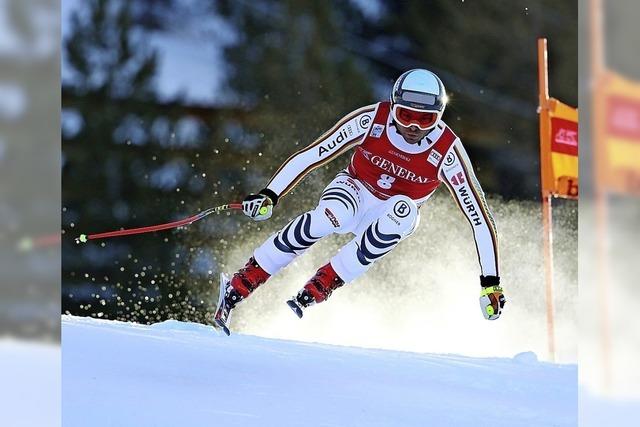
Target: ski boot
x=233, y=291
x=227, y=299
x=316, y=290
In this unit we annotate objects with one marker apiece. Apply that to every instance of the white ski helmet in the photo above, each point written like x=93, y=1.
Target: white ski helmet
x=418, y=98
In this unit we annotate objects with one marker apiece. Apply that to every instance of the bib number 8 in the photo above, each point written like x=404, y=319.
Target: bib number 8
x=385, y=181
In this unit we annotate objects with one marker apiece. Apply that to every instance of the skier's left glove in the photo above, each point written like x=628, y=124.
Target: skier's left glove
x=259, y=207
x=492, y=300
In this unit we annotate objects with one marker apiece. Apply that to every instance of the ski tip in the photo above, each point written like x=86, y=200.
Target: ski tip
x=295, y=307
x=224, y=327
x=224, y=279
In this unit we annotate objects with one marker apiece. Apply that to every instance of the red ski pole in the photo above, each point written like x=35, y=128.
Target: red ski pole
x=83, y=238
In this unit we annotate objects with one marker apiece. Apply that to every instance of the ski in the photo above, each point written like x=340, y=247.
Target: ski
x=293, y=305
x=222, y=316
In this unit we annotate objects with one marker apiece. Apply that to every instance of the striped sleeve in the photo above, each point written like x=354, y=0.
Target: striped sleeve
x=457, y=174
x=348, y=132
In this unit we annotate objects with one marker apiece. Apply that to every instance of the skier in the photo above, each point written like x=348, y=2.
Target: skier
x=403, y=151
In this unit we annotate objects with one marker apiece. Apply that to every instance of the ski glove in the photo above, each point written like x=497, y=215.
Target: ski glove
x=492, y=300
x=258, y=207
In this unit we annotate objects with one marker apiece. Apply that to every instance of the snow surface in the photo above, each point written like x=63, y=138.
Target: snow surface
x=29, y=384
x=184, y=374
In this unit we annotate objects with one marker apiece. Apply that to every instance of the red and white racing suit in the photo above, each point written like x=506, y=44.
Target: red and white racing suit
x=378, y=195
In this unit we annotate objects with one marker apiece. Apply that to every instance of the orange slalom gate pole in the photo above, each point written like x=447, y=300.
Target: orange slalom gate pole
x=598, y=71
x=547, y=225
x=546, y=194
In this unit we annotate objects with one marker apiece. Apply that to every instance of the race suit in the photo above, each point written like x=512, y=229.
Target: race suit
x=377, y=197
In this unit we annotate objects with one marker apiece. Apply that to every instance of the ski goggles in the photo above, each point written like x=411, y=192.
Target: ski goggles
x=407, y=117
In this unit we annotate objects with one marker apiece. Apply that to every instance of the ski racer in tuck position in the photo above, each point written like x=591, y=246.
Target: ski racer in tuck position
x=403, y=152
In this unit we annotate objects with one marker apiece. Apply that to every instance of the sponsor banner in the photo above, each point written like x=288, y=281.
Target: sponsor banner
x=618, y=134
x=623, y=153
x=565, y=174
x=623, y=118
x=564, y=136
x=560, y=145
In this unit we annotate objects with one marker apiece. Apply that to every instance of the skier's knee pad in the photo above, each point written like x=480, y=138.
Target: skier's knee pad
x=297, y=236
x=339, y=203
x=400, y=216
x=398, y=220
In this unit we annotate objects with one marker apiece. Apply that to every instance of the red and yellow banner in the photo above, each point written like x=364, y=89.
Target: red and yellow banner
x=559, y=149
x=617, y=134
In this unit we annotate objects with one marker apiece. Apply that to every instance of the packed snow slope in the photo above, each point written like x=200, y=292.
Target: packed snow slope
x=29, y=383
x=182, y=374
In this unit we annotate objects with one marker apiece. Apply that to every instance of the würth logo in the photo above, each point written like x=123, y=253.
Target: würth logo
x=458, y=179
x=469, y=206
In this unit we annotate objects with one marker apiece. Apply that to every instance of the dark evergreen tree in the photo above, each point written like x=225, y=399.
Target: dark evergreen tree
x=128, y=160
x=290, y=67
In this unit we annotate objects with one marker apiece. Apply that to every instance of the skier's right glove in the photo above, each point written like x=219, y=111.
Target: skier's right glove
x=259, y=207
x=492, y=300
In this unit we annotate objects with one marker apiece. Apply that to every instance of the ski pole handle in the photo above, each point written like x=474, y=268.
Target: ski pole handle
x=83, y=238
